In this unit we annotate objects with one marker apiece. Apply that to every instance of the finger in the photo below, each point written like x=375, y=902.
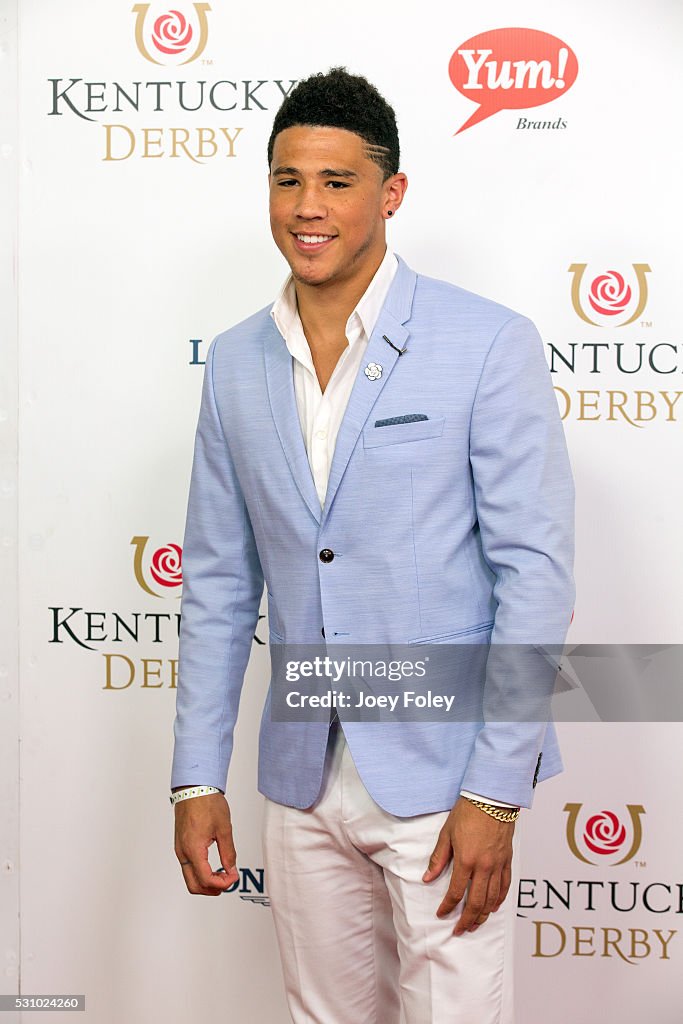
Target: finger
x=227, y=854
x=192, y=883
x=474, y=904
x=439, y=859
x=505, y=881
x=492, y=892
x=490, y=903
x=209, y=879
x=198, y=873
x=498, y=883
x=460, y=877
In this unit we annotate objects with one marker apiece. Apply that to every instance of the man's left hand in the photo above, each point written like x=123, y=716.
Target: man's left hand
x=481, y=849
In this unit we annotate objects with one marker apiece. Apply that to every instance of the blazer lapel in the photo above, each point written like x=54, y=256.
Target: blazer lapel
x=395, y=313
x=280, y=380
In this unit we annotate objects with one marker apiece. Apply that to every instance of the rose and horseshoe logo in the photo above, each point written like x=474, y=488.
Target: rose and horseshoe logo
x=604, y=835
x=609, y=295
x=163, y=569
x=172, y=34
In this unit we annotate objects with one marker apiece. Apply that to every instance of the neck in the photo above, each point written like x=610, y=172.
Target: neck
x=324, y=310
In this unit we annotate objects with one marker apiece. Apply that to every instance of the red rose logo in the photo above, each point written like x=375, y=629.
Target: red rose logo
x=609, y=294
x=604, y=833
x=166, y=567
x=172, y=33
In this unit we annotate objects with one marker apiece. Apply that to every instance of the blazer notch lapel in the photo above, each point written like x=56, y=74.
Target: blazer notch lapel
x=366, y=390
x=282, y=397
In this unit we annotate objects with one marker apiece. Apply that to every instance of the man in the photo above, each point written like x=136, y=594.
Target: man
x=385, y=450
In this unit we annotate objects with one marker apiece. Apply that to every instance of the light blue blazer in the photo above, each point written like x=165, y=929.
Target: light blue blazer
x=456, y=525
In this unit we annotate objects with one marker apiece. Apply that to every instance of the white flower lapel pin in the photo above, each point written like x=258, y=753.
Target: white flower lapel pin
x=373, y=371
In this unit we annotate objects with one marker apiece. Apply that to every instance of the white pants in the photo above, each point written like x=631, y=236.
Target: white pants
x=359, y=939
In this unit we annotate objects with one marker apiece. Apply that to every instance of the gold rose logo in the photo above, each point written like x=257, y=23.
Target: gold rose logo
x=609, y=295
x=164, y=568
x=604, y=835
x=171, y=35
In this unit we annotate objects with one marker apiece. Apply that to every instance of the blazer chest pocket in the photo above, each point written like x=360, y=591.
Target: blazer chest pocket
x=399, y=433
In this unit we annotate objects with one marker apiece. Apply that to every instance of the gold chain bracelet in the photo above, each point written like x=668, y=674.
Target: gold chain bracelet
x=499, y=813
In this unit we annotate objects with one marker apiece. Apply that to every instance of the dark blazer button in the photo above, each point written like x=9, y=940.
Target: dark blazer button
x=323, y=631
x=326, y=555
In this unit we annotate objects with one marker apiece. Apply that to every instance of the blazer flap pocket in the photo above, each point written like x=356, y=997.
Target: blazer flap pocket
x=395, y=433
x=459, y=634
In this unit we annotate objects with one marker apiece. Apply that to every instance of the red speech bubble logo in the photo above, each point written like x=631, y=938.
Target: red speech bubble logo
x=511, y=68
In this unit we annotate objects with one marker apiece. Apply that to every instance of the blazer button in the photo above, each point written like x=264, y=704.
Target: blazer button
x=326, y=555
x=323, y=631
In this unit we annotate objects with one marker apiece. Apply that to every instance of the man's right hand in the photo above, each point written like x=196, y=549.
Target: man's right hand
x=199, y=822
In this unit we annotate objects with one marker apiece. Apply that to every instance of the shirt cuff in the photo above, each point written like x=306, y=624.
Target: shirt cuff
x=485, y=799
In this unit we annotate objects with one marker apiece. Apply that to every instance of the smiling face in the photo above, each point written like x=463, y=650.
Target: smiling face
x=328, y=205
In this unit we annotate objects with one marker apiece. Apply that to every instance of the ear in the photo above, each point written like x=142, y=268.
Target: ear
x=394, y=189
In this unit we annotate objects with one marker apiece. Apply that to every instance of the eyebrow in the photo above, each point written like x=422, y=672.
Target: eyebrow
x=328, y=172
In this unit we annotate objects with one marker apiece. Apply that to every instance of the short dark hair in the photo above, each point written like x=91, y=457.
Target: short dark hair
x=338, y=99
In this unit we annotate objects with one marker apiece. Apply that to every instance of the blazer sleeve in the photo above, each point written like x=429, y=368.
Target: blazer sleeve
x=222, y=589
x=524, y=494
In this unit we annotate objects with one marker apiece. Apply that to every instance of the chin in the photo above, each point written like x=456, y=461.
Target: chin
x=310, y=275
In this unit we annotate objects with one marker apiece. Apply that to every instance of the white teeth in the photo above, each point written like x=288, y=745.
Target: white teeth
x=310, y=239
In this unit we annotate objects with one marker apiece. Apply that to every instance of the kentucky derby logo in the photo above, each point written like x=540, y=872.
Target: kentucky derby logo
x=608, y=298
x=163, y=569
x=171, y=35
x=600, y=837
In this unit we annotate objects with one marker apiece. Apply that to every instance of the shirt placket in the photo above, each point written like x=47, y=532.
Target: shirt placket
x=321, y=446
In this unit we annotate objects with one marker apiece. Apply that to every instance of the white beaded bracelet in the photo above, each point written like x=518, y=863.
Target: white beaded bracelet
x=185, y=794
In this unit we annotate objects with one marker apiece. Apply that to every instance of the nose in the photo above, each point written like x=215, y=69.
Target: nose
x=311, y=203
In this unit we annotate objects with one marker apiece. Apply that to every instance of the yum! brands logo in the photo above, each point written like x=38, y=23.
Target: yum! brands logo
x=512, y=69
x=609, y=298
x=171, y=37
x=603, y=837
x=160, y=575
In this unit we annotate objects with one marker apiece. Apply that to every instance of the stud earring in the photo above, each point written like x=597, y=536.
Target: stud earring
x=390, y=213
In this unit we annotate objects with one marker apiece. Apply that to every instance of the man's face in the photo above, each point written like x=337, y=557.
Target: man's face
x=328, y=204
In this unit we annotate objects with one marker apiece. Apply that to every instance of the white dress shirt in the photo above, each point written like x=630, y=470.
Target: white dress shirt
x=321, y=413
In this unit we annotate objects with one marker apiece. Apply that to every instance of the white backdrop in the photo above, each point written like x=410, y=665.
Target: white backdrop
x=121, y=263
